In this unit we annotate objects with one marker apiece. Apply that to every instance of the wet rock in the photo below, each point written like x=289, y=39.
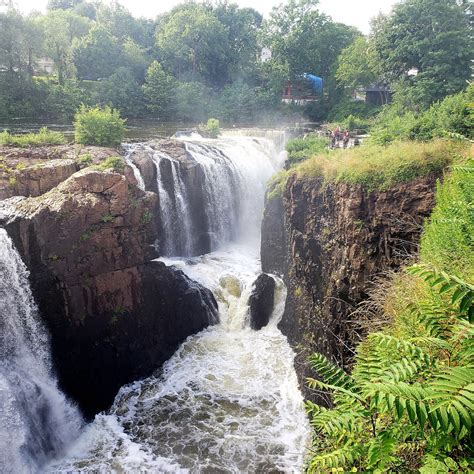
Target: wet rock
x=113, y=315
x=328, y=242
x=261, y=301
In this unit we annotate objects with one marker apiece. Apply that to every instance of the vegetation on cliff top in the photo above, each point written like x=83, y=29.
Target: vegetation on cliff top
x=376, y=166
x=407, y=405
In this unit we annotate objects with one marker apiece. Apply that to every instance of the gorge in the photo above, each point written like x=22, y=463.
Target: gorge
x=228, y=398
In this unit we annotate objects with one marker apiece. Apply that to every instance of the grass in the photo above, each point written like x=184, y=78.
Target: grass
x=41, y=138
x=377, y=166
x=114, y=163
x=380, y=167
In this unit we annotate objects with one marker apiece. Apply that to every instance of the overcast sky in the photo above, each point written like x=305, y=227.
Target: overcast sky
x=351, y=12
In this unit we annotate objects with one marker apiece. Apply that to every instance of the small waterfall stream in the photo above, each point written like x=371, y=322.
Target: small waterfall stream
x=36, y=419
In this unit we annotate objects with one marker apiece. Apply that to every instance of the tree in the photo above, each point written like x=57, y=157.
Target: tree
x=158, y=90
x=432, y=36
x=356, y=64
x=63, y=4
x=122, y=91
x=98, y=54
x=242, y=25
x=194, y=44
x=60, y=28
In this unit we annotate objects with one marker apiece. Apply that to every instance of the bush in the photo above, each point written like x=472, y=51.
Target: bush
x=453, y=116
x=43, y=137
x=300, y=149
x=95, y=126
x=85, y=159
x=213, y=128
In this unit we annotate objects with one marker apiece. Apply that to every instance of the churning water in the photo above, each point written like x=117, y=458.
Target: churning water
x=228, y=399
x=36, y=420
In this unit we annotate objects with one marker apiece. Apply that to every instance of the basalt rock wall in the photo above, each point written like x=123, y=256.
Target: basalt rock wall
x=329, y=242
x=114, y=316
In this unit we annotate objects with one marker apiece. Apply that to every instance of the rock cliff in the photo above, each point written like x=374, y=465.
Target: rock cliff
x=328, y=242
x=113, y=315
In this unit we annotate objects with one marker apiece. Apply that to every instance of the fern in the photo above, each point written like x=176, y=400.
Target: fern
x=342, y=457
x=381, y=451
x=453, y=393
x=330, y=372
x=462, y=292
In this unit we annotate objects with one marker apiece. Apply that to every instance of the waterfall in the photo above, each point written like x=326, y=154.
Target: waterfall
x=136, y=171
x=36, y=419
x=213, y=194
x=228, y=399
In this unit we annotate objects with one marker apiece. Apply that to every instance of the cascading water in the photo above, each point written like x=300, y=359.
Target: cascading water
x=36, y=419
x=228, y=400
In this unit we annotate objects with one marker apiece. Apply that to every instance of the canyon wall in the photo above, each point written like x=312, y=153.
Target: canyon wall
x=329, y=241
x=114, y=315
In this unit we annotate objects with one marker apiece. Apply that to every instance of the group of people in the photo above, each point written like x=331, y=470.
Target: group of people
x=338, y=136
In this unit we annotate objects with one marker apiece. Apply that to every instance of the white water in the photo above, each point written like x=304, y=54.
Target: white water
x=36, y=420
x=228, y=399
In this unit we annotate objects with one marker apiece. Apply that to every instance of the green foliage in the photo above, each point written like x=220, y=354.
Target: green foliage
x=349, y=106
x=43, y=137
x=107, y=218
x=452, y=116
x=95, y=126
x=85, y=159
x=408, y=404
x=114, y=163
x=357, y=64
x=277, y=184
x=300, y=149
x=432, y=36
x=448, y=238
x=379, y=167
x=158, y=89
x=213, y=128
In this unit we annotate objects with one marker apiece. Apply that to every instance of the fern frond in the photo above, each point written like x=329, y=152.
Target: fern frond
x=400, y=399
x=339, y=458
x=404, y=370
x=462, y=292
x=337, y=423
x=330, y=372
x=381, y=451
x=452, y=392
x=319, y=385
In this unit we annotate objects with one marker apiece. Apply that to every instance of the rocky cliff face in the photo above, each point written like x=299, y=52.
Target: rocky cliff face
x=113, y=315
x=329, y=241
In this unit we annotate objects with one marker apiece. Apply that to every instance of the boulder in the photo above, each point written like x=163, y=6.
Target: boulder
x=261, y=301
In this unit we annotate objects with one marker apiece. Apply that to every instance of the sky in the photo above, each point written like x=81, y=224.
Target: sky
x=352, y=12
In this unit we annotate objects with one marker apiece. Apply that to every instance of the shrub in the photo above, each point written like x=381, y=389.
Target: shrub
x=115, y=163
x=213, y=128
x=43, y=137
x=95, y=126
x=300, y=149
x=453, y=116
